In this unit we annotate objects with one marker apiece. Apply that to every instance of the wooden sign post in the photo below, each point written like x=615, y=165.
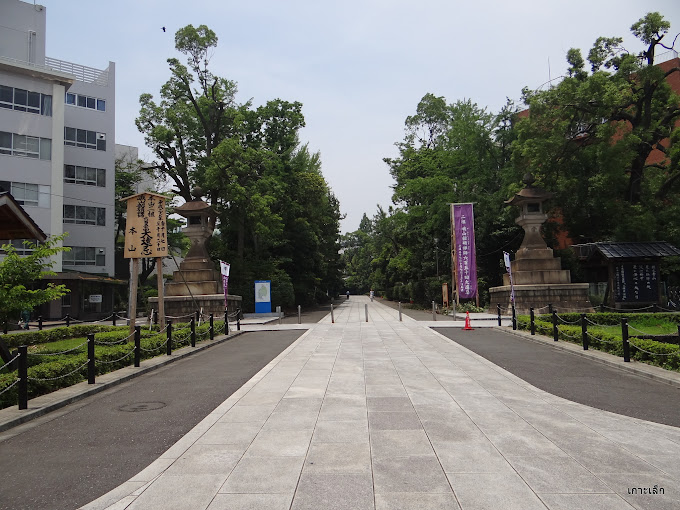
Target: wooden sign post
x=146, y=236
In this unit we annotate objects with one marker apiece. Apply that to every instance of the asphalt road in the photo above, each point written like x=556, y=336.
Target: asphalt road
x=73, y=456
x=574, y=377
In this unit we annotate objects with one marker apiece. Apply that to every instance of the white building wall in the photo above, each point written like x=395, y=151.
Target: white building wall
x=102, y=123
x=22, y=31
x=22, y=38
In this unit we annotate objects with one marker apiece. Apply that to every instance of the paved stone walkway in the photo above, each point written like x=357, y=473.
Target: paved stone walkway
x=391, y=415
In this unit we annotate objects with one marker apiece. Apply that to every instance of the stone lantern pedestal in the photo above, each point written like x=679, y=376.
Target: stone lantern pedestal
x=197, y=285
x=537, y=274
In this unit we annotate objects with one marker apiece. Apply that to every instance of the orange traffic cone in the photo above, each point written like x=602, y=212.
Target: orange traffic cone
x=467, y=322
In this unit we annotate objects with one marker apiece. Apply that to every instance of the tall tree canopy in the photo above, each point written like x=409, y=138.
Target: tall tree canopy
x=278, y=219
x=451, y=153
x=605, y=139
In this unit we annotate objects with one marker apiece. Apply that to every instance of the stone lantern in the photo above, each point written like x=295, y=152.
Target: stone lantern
x=197, y=285
x=200, y=220
x=530, y=200
x=537, y=276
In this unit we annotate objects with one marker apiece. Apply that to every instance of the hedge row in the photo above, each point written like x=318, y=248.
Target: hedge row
x=54, y=369
x=663, y=355
x=54, y=334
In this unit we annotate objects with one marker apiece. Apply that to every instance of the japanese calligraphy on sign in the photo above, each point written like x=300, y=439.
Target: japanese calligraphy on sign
x=636, y=282
x=463, y=222
x=146, y=233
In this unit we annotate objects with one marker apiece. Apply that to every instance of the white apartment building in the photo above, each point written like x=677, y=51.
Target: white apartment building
x=57, y=144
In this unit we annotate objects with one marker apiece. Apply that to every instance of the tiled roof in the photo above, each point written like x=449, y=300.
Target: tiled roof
x=630, y=250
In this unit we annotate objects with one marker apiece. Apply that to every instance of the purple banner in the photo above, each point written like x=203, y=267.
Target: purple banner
x=466, y=263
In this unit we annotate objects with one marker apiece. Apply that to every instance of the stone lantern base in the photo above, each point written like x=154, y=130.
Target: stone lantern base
x=564, y=297
x=178, y=306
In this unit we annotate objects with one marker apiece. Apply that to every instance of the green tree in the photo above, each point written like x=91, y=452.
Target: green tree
x=19, y=275
x=451, y=153
x=590, y=138
x=277, y=217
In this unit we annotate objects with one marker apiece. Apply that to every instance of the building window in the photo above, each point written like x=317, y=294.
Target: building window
x=18, y=244
x=25, y=146
x=25, y=101
x=74, y=174
x=85, y=215
x=26, y=194
x=84, y=256
x=93, y=103
x=84, y=138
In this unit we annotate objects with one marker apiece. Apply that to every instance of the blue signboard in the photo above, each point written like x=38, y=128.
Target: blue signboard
x=263, y=296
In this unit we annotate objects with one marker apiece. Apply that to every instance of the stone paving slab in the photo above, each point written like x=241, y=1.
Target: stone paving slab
x=392, y=415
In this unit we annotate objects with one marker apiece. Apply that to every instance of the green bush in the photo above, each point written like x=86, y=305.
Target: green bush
x=53, y=334
x=468, y=306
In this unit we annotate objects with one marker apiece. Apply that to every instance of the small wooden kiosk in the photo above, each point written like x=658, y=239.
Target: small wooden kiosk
x=630, y=270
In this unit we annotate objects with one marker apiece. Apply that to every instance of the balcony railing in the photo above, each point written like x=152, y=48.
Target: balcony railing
x=82, y=73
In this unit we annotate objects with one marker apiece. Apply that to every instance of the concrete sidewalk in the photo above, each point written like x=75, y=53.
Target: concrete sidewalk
x=391, y=415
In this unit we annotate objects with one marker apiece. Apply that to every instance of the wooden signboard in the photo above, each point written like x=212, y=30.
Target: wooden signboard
x=146, y=233
x=146, y=236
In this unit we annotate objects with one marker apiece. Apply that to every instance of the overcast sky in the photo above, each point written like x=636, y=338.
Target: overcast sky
x=359, y=67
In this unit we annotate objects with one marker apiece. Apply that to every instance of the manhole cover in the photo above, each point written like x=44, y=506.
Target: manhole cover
x=142, y=406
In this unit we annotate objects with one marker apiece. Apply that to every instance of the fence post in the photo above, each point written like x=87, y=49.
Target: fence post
x=226, y=322
x=212, y=328
x=154, y=315
x=550, y=310
x=584, y=331
x=40, y=323
x=556, y=332
x=238, y=319
x=531, y=317
x=434, y=315
x=626, y=345
x=333, y=317
x=169, y=335
x=193, y=332
x=138, y=346
x=115, y=316
x=601, y=307
x=4, y=328
x=400, y=312
x=23, y=377
x=90, y=358
x=514, y=317
x=366, y=311
x=198, y=317
x=68, y=320
x=300, y=313
x=498, y=309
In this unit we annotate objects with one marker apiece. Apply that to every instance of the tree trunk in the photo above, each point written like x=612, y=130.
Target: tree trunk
x=240, y=245
x=637, y=169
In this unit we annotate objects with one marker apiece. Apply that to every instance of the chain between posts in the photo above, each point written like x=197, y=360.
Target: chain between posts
x=7, y=388
x=10, y=362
